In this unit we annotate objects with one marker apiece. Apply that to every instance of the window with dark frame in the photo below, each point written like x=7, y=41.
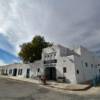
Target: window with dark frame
x=64, y=70
x=99, y=70
x=6, y=71
x=38, y=70
x=20, y=72
x=10, y=71
x=45, y=56
x=91, y=65
x=86, y=64
x=98, y=64
x=77, y=71
x=54, y=54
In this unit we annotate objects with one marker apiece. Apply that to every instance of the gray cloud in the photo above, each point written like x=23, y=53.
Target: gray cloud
x=67, y=22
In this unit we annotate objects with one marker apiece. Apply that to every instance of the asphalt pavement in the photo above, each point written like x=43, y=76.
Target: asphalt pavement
x=19, y=90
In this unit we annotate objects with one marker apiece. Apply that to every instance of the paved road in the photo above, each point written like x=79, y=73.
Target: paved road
x=18, y=90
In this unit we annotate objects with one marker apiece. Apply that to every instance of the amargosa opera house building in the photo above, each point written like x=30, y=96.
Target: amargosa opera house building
x=58, y=62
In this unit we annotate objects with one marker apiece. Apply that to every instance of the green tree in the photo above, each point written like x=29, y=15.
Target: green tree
x=32, y=51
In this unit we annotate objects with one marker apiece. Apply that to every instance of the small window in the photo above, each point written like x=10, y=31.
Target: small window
x=91, y=65
x=77, y=71
x=51, y=55
x=99, y=70
x=6, y=71
x=20, y=72
x=86, y=64
x=10, y=71
x=54, y=54
x=98, y=64
x=64, y=69
x=38, y=70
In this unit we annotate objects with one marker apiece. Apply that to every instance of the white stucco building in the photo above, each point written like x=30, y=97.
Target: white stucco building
x=58, y=62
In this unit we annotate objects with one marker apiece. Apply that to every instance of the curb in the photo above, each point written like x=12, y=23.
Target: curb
x=83, y=89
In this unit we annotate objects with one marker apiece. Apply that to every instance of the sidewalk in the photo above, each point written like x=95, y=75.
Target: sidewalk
x=71, y=87
x=62, y=86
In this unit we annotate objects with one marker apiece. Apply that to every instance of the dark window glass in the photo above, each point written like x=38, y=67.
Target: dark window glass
x=77, y=71
x=64, y=69
x=99, y=70
x=98, y=64
x=20, y=72
x=86, y=64
x=10, y=71
x=92, y=65
x=55, y=54
x=6, y=71
x=38, y=69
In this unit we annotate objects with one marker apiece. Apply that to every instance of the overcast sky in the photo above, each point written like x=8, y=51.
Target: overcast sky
x=65, y=22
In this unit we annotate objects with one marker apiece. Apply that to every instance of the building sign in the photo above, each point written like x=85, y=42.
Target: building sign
x=50, y=61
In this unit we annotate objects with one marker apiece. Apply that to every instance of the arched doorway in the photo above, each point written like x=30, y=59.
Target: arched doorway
x=50, y=73
x=28, y=73
x=14, y=72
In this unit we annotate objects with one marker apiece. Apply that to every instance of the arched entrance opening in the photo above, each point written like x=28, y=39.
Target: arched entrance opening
x=14, y=72
x=28, y=73
x=50, y=73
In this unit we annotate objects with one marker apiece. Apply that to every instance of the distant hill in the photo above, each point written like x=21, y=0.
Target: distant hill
x=8, y=57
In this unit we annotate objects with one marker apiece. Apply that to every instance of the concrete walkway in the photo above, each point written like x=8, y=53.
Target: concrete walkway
x=71, y=87
x=62, y=86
